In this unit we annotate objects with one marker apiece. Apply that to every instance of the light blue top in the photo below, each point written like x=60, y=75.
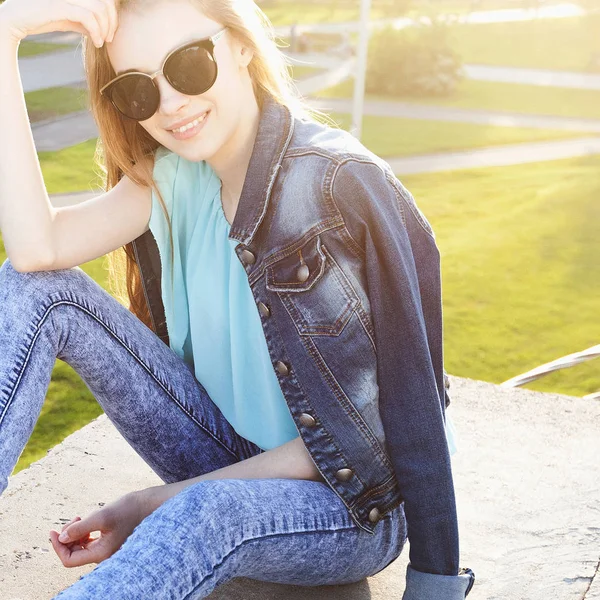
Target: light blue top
x=212, y=318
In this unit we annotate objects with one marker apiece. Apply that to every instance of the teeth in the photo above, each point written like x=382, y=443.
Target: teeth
x=192, y=124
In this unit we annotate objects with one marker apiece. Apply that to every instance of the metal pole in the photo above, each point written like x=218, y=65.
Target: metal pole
x=361, y=69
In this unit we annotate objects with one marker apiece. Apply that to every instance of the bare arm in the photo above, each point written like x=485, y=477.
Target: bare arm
x=26, y=213
x=289, y=461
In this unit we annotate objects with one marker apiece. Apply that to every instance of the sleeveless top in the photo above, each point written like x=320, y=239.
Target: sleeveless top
x=211, y=315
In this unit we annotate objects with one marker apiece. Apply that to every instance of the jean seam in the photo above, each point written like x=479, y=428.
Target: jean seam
x=124, y=345
x=260, y=537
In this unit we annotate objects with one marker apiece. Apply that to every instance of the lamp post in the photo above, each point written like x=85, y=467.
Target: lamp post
x=361, y=69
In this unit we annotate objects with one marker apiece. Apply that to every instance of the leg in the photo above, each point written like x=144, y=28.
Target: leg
x=280, y=530
x=148, y=392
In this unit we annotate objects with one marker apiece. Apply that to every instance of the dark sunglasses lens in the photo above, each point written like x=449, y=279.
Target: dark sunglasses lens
x=135, y=96
x=192, y=70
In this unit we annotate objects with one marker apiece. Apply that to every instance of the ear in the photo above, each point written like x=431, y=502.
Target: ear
x=245, y=56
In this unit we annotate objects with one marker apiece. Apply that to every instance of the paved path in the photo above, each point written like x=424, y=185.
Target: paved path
x=526, y=490
x=55, y=134
x=497, y=156
x=542, y=77
x=406, y=110
x=64, y=67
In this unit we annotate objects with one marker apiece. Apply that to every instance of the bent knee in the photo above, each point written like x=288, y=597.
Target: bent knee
x=18, y=283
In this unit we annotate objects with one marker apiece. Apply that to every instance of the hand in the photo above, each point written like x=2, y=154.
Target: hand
x=115, y=522
x=96, y=18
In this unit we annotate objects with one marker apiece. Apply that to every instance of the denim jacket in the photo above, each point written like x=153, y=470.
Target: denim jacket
x=345, y=272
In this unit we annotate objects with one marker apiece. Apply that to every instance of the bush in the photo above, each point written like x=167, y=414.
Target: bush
x=416, y=61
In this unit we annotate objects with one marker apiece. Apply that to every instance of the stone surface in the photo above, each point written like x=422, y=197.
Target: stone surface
x=527, y=489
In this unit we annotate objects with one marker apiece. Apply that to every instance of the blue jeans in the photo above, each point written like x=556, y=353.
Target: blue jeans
x=279, y=530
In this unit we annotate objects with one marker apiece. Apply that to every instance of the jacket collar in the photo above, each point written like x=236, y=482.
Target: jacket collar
x=273, y=136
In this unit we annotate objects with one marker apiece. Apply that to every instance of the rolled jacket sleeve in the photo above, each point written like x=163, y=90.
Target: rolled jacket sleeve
x=426, y=586
x=402, y=265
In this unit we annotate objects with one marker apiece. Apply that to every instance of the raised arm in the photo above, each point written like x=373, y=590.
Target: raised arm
x=26, y=213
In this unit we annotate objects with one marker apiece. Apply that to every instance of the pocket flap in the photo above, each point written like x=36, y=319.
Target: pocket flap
x=299, y=271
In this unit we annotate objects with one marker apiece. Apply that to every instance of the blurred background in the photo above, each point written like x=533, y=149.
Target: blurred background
x=489, y=113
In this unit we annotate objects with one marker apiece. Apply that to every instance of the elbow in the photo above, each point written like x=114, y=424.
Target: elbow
x=29, y=265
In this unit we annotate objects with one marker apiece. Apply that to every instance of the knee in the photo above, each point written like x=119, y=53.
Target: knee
x=213, y=503
x=210, y=514
x=27, y=284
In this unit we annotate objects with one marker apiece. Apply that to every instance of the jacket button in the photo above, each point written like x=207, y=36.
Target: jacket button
x=264, y=310
x=374, y=515
x=248, y=257
x=344, y=474
x=307, y=420
x=302, y=273
x=282, y=368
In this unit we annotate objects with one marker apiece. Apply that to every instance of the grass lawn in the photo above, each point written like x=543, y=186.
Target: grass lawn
x=510, y=97
x=29, y=48
x=559, y=44
x=53, y=102
x=71, y=169
x=299, y=71
x=521, y=276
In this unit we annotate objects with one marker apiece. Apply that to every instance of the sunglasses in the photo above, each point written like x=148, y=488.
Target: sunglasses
x=190, y=69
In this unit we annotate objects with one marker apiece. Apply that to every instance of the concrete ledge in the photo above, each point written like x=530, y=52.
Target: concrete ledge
x=527, y=487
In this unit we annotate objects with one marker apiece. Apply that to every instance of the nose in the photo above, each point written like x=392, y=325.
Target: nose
x=171, y=101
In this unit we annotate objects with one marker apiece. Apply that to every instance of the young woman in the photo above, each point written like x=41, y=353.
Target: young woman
x=279, y=363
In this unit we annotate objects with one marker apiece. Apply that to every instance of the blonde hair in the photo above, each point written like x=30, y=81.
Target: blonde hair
x=126, y=148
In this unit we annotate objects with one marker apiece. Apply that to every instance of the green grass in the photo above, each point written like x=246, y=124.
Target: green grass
x=71, y=169
x=28, y=48
x=521, y=276
x=299, y=72
x=510, y=97
x=53, y=102
x=405, y=137
x=559, y=44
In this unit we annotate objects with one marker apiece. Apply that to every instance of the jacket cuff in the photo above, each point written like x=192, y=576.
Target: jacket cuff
x=429, y=586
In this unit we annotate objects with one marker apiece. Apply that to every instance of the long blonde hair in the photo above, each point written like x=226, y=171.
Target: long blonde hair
x=124, y=147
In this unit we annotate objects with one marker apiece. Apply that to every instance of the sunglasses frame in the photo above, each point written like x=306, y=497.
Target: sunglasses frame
x=208, y=43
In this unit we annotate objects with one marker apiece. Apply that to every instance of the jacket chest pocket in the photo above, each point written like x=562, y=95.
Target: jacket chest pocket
x=314, y=289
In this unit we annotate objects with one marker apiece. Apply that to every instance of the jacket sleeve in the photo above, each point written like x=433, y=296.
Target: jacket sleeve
x=402, y=265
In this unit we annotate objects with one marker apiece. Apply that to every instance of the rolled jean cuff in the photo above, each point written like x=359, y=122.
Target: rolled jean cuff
x=429, y=586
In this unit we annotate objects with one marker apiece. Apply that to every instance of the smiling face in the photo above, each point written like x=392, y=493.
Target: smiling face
x=142, y=41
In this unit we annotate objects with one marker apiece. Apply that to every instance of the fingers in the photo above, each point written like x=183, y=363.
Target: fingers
x=97, y=16
x=79, y=529
x=71, y=521
x=77, y=554
x=113, y=17
x=79, y=548
x=88, y=19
